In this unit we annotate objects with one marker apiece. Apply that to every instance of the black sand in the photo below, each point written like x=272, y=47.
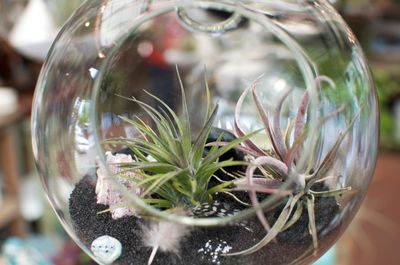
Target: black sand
x=201, y=245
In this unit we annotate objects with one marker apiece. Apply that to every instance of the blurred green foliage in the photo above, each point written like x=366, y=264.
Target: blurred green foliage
x=62, y=9
x=388, y=88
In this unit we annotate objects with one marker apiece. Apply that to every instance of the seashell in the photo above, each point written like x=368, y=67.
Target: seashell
x=106, y=249
x=108, y=192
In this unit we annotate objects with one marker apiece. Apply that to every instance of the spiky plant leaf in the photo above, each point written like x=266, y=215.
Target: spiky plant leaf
x=277, y=131
x=186, y=119
x=311, y=219
x=239, y=131
x=295, y=217
x=288, y=132
x=273, y=163
x=159, y=203
x=330, y=157
x=301, y=113
x=291, y=155
x=276, y=228
x=153, y=166
x=211, y=156
x=265, y=120
x=197, y=150
x=330, y=193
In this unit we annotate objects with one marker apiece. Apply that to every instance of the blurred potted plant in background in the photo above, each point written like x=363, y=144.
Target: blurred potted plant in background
x=388, y=87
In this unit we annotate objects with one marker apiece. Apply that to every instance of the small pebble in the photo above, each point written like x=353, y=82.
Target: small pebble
x=106, y=249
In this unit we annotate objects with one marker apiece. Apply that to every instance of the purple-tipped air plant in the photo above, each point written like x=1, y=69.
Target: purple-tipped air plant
x=278, y=164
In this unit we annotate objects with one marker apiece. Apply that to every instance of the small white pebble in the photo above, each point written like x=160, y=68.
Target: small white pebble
x=106, y=249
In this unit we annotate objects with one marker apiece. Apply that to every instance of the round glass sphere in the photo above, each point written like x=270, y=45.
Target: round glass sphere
x=205, y=132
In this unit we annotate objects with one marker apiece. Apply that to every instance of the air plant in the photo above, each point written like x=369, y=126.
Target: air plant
x=170, y=168
x=172, y=164
x=278, y=166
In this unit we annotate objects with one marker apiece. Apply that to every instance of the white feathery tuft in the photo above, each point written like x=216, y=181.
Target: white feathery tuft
x=165, y=236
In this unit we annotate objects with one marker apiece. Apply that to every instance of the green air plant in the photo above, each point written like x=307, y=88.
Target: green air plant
x=172, y=166
x=278, y=166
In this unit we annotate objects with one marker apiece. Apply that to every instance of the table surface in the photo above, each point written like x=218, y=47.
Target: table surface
x=373, y=238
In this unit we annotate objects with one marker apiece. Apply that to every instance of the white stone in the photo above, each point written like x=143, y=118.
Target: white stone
x=106, y=249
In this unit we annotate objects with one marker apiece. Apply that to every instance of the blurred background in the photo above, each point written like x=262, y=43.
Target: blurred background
x=29, y=231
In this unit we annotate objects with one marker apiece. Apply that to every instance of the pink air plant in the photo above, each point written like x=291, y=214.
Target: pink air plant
x=278, y=165
x=107, y=190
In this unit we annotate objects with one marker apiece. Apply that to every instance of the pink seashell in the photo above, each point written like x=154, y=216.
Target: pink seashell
x=108, y=191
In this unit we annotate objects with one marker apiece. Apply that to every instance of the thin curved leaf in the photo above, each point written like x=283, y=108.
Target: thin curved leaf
x=264, y=119
x=238, y=130
x=213, y=156
x=301, y=112
x=295, y=217
x=198, y=147
x=163, y=179
x=186, y=119
x=263, y=160
x=277, y=130
x=311, y=220
x=330, y=193
x=276, y=228
x=148, y=166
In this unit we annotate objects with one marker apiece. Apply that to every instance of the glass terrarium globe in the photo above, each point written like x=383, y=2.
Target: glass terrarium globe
x=205, y=132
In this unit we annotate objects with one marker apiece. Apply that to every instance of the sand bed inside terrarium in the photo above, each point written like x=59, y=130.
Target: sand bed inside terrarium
x=203, y=245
